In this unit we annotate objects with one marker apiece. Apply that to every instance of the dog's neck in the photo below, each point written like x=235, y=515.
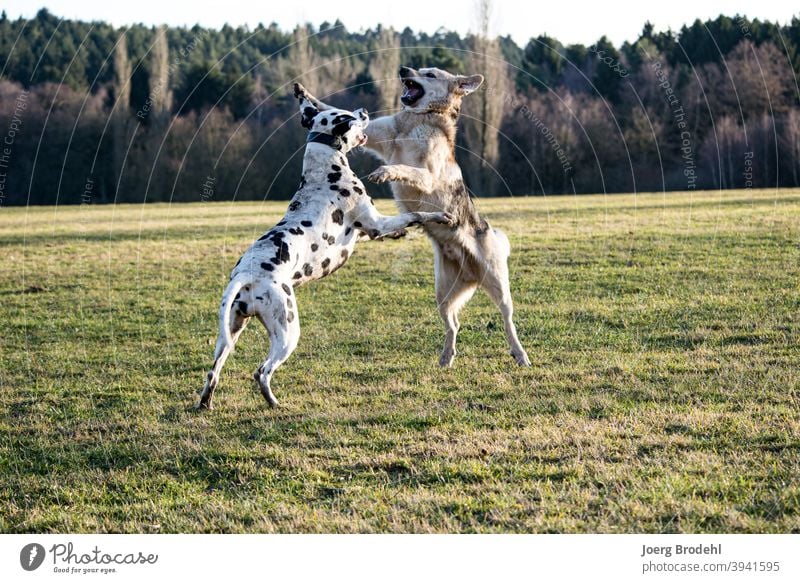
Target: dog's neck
x=444, y=121
x=319, y=160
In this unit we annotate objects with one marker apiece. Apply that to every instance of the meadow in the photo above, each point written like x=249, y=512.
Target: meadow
x=663, y=394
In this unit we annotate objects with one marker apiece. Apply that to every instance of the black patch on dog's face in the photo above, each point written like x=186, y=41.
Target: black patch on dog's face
x=338, y=217
x=307, y=117
x=287, y=289
x=341, y=124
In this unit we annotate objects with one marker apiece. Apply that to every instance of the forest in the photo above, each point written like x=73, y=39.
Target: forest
x=92, y=114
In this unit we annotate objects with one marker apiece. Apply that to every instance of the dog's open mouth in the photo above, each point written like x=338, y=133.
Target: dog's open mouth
x=412, y=93
x=362, y=140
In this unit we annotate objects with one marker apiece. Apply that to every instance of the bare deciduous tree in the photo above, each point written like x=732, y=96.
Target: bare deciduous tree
x=383, y=66
x=483, y=111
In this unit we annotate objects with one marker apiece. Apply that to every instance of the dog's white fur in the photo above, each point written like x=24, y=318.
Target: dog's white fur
x=317, y=235
x=418, y=147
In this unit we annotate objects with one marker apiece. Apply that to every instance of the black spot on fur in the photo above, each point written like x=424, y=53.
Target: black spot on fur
x=334, y=176
x=261, y=238
x=326, y=263
x=267, y=266
x=287, y=289
x=335, y=167
x=306, y=223
x=374, y=233
x=358, y=190
x=259, y=298
x=290, y=316
x=325, y=272
x=282, y=254
x=296, y=204
x=314, y=246
x=237, y=296
x=296, y=231
x=334, y=187
x=331, y=240
x=281, y=224
x=347, y=231
x=297, y=275
x=344, y=253
x=338, y=217
x=307, y=269
x=323, y=121
x=308, y=116
x=357, y=224
x=344, y=192
x=302, y=183
x=243, y=307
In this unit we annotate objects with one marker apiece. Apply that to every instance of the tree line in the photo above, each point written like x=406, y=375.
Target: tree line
x=90, y=113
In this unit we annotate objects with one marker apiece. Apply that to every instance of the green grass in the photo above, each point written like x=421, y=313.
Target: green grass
x=663, y=395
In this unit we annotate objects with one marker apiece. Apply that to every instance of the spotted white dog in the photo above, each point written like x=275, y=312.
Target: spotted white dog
x=328, y=213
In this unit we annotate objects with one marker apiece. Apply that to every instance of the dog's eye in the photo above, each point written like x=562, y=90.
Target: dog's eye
x=431, y=75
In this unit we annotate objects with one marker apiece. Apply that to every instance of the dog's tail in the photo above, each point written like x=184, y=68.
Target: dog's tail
x=225, y=310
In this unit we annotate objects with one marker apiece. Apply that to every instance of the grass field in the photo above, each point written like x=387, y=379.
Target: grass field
x=663, y=396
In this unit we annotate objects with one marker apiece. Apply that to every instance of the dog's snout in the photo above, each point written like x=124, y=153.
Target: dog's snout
x=405, y=71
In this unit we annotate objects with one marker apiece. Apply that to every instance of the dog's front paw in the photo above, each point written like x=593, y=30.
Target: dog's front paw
x=299, y=90
x=382, y=174
x=446, y=219
x=399, y=234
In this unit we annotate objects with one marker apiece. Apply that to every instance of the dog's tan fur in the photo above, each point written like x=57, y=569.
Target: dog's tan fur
x=418, y=146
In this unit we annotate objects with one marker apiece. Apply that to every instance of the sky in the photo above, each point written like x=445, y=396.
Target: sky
x=568, y=21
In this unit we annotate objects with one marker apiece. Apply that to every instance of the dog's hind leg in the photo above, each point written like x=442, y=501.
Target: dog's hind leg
x=279, y=315
x=496, y=285
x=221, y=353
x=453, y=290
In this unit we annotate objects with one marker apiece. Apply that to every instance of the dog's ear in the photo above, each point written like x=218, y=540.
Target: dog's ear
x=308, y=110
x=466, y=85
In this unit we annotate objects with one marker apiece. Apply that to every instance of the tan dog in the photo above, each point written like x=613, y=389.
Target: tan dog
x=418, y=146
